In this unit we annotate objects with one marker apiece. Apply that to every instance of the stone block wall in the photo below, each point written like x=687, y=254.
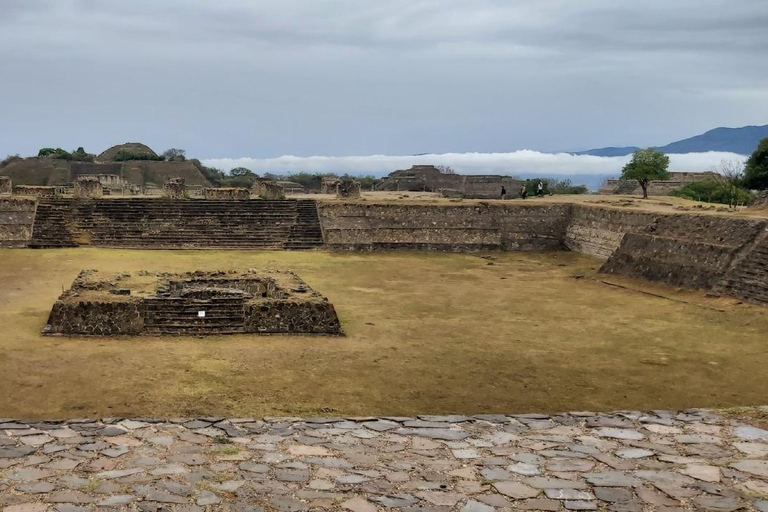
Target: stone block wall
x=269, y=190
x=689, y=251
x=91, y=318
x=6, y=185
x=17, y=217
x=32, y=190
x=289, y=316
x=598, y=231
x=88, y=187
x=348, y=188
x=443, y=228
x=329, y=186
x=175, y=188
x=227, y=194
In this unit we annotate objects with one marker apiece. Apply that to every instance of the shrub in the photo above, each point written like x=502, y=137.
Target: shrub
x=564, y=187
x=712, y=191
x=9, y=159
x=124, y=156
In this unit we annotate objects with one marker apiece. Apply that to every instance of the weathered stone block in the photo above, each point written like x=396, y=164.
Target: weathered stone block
x=31, y=190
x=270, y=190
x=227, y=193
x=6, y=185
x=348, y=188
x=175, y=188
x=88, y=187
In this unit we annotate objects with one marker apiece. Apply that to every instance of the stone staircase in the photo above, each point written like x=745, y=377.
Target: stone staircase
x=52, y=227
x=179, y=316
x=182, y=224
x=748, y=275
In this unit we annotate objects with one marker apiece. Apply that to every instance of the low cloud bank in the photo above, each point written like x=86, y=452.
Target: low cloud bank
x=521, y=163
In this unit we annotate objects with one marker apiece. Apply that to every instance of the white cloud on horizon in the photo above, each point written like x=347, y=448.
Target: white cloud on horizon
x=523, y=162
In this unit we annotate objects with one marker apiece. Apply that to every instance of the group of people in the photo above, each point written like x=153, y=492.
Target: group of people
x=524, y=190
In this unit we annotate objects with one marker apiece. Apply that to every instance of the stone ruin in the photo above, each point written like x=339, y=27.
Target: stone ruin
x=6, y=185
x=38, y=191
x=175, y=188
x=428, y=178
x=268, y=189
x=348, y=188
x=329, y=186
x=88, y=187
x=193, y=303
x=227, y=193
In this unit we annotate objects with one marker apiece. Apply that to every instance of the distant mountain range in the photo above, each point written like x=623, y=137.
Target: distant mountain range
x=742, y=141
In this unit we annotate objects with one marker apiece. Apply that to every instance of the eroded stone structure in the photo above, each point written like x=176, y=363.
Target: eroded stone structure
x=658, y=187
x=227, y=193
x=329, y=186
x=17, y=216
x=6, y=185
x=268, y=189
x=348, y=188
x=37, y=191
x=175, y=188
x=88, y=187
x=254, y=302
x=428, y=178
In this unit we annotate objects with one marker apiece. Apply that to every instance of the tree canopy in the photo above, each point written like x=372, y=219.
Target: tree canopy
x=756, y=170
x=646, y=165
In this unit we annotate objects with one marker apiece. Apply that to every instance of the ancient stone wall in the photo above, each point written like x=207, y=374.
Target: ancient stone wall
x=6, y=185
x=267, y=189
x=91, y=318
x=16, y=219
x=290, y=316
x=88, y=187
x=348, y=188
x=329, y=186
x=37, y=191
x=174, y=188
x=598, y=231
x=227, y=194
x=690, y=251
x=444, y=228
x=747, y=276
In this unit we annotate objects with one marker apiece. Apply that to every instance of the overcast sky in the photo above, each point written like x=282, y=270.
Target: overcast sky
x=265, y=78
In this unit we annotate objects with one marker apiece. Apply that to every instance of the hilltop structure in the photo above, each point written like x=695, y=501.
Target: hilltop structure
x=132, y=165
x=657, y=188
x=428, y=178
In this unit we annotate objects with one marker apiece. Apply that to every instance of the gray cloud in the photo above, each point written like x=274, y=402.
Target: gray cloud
x=238, y=77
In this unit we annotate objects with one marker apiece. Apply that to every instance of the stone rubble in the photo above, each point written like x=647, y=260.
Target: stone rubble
x=622, y=462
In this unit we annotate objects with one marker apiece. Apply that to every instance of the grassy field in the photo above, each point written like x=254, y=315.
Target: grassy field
x=427, y=333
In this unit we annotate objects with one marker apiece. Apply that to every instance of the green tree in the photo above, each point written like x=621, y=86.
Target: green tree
x=241, y=171
x=756, y=170
x=646, y=165
x=175, y=155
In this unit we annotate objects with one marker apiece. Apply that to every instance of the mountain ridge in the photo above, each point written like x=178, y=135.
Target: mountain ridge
x=742, y=140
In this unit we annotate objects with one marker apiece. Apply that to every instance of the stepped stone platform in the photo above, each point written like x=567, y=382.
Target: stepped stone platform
x=624, y=461
x=195, y=303
x=177, y=224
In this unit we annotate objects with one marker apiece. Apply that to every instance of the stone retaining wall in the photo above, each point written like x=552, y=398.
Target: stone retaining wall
x=32, y=190
x=231, y=194
x=17, y=216
x=445, y=228
x=6, y=185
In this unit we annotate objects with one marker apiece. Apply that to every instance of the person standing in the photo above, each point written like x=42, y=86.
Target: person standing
x=540, y=189
x=524, y=191
x=503, y=193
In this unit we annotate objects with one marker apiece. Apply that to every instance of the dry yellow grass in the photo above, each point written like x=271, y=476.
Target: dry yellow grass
x=427, y=333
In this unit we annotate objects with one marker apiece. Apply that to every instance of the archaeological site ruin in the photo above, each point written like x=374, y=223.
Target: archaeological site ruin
x=193, y=303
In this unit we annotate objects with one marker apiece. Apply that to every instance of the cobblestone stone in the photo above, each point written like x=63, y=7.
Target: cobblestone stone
x=622, y=462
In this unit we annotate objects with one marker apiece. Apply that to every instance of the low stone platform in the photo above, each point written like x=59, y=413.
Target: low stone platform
x=628, y=461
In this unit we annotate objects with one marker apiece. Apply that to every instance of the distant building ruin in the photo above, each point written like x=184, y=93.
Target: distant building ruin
x=175, y=188
x=6, y=185
x=88, y=187
x=428, y=178
x=348, y=188
x=657, y=187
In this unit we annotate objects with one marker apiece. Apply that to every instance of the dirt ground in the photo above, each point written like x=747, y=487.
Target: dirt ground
x=427, y=333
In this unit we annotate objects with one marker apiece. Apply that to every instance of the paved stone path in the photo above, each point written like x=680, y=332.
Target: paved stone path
x=626, y=461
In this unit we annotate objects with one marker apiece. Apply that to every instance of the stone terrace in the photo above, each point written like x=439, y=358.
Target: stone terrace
x=628, y=461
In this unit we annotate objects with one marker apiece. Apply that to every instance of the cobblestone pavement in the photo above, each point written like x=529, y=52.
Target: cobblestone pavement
x=626, y=461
